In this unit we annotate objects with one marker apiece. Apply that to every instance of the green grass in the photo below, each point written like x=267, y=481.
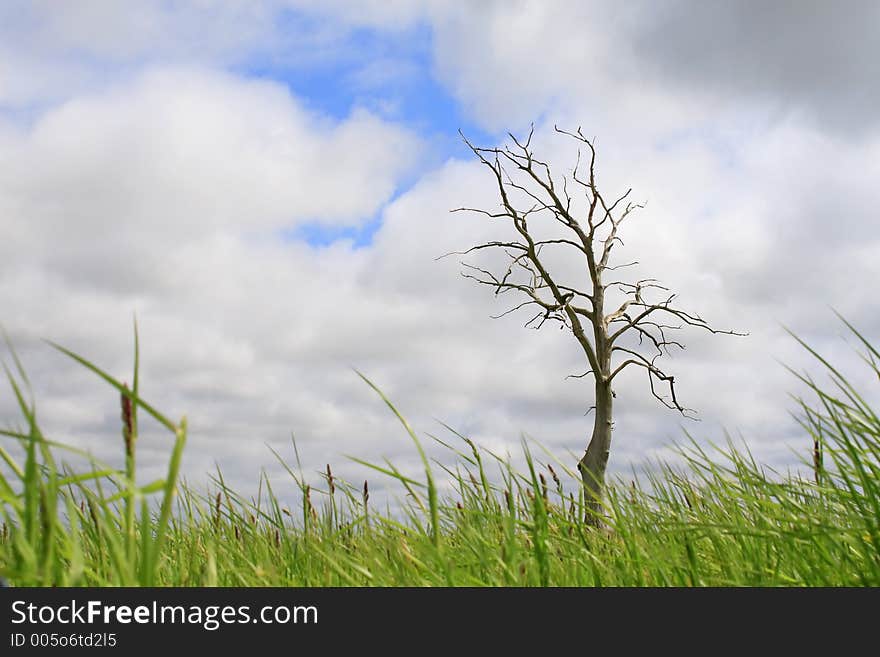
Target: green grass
x=718, y=519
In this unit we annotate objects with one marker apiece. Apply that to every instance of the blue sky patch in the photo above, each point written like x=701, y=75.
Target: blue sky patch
x=389, y=73
x=320, y=236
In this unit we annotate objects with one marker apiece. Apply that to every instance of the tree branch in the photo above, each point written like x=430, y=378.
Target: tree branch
x=523, y=179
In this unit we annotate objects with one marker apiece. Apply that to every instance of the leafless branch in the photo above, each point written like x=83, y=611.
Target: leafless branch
x=593, y=236
x=579, y=376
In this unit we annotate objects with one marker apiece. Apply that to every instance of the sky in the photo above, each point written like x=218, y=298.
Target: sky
x=267, y=186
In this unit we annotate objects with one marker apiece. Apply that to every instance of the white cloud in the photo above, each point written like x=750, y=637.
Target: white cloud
x=162, y=191
x=164, y=196
x=178, y=157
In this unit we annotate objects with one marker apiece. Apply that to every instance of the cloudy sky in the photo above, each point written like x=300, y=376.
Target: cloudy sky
x=267, y=185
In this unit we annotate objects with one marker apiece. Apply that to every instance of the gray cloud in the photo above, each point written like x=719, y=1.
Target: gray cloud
x=816, y=57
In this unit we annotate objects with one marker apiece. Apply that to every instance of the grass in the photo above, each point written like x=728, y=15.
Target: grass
x=720, y=519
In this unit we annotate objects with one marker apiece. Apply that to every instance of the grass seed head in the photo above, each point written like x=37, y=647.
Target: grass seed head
x=127, y=421
x=330, y=482
x=555, y=476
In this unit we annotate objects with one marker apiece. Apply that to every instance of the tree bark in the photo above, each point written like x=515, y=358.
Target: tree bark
x=594, y=462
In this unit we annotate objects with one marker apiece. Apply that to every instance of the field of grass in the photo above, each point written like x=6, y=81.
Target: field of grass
x=718, y=520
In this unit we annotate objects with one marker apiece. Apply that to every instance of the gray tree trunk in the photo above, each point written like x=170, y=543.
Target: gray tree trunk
x=594, y=462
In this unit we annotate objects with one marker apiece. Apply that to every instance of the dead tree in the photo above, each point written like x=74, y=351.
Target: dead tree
x=618, y=323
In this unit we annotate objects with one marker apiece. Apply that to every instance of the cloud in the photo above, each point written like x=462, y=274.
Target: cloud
x=165, y=196
x=529, y=58
x=50, y=52
x=809, y=56
x=535, y=58
x=182, y=156
x=164, y=189
x=386, y=15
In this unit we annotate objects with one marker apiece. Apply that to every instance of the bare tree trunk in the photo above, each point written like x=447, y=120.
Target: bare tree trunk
x=594, y=462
